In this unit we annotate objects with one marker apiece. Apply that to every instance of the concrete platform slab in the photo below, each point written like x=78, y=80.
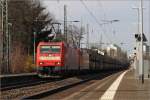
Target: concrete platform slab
x=132, y=88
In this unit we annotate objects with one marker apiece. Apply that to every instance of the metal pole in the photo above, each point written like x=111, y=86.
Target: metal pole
x=2, y=69
x=5, y=57
x=65, y=22
x=101, y=41
x=138, y=21
x=72, y=33
x=34, y=33
x=1, y=35
x=80, y=33
x=9, y=45
x=7, y=38
x=1, y=16
x=141, y=45
x=80, y=43
x=87, y=36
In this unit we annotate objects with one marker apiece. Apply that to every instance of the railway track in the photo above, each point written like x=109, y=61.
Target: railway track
x=43, y=89
x=64, y=85
x=11, y=92
x=55, y=90
x=9, y=80
x=26, y=84
x=18, y=81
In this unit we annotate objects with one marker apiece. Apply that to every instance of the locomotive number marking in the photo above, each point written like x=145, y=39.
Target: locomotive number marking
x=49, y=58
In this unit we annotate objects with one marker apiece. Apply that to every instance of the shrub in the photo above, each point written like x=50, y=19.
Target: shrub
x=29, y=65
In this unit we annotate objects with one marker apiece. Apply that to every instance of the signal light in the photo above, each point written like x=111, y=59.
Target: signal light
x=138, y=37
x=134, y=48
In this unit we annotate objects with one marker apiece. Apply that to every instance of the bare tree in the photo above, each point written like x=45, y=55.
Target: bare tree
x=75, y=34
x=26, y=17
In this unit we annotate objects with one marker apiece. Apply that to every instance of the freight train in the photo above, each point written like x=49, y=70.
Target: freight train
x=59, y=58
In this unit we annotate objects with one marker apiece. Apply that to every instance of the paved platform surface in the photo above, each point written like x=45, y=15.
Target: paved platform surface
x=131, y=88
x=119, y=86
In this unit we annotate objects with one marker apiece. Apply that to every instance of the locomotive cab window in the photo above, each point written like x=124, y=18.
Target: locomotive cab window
x=50, y=49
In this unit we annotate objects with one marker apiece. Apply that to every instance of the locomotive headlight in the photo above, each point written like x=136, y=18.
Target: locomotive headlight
x=41, y=63
x=57, y=63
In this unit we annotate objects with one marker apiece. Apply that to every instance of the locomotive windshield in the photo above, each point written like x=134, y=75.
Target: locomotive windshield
x=50, y=49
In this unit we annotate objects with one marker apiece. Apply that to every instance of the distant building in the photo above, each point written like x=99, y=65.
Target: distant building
x=115, y=51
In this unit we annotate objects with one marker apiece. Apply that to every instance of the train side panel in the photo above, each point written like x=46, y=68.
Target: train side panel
x=84, y=60
x=71, y=58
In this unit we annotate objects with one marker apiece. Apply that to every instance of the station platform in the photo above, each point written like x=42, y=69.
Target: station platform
x=131, y=88
x=119, y=86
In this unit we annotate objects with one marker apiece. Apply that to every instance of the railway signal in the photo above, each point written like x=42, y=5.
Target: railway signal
x=138, y=37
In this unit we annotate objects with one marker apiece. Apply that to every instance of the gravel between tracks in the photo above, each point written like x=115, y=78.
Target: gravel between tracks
x=27, y=91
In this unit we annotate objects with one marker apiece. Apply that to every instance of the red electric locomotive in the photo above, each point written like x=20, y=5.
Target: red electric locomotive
x=56, y=57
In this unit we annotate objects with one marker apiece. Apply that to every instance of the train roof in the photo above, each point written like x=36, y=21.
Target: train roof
x=52, y=43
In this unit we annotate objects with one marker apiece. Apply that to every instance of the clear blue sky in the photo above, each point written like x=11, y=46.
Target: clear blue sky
x=122, y=31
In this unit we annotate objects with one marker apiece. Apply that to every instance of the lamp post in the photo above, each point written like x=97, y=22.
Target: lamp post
x=34, y=33
x=140, y=33
x=141, y=45
x=9, y=46
x=1, y=33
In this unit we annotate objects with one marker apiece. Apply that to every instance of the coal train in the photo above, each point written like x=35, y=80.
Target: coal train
x=59, y=58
